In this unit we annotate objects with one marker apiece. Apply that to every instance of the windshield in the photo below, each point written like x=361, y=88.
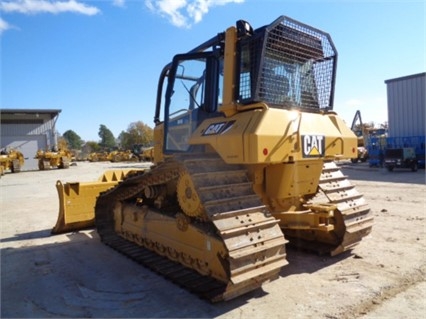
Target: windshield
x=192, y=96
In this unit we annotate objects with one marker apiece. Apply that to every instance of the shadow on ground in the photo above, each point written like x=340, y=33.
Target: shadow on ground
x=84, y=278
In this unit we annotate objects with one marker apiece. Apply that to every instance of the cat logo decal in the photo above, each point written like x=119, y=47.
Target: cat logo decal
x=218, y=128
x=313, y=145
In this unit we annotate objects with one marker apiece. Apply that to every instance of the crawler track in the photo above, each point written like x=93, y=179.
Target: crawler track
x=255, y=246
x=353, y=219
x=355, y=212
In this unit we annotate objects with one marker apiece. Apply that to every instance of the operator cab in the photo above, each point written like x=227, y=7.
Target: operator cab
x=285, y=65
x=192, y=95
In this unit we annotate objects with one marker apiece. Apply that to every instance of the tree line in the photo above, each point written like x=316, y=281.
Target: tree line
x=137, y=133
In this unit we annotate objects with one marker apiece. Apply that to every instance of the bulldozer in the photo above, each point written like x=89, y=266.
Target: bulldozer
x=245, y=143
x=12, y=160
x=98, y=157
x=122, y=156
x=55, y=158
x=144, y=153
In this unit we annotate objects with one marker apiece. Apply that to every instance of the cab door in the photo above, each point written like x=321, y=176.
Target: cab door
x=191, y=96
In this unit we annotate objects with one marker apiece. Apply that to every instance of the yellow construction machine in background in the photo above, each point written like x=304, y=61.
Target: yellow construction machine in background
x=53, y=159
x=113, y=156
x=122, y=156
x=11, y=160
x=245, y=143
x=360, y=131
x=370, y=141
x=98, y=157
x=144, y=153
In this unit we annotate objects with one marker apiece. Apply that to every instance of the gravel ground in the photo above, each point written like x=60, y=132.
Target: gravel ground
x=75, y=275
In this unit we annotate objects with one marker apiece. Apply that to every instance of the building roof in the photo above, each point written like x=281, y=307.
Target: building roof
x=406, y=77
x=30, y=111
x=28, y=114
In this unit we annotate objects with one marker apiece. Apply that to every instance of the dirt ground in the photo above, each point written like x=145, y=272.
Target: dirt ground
x=75, y=275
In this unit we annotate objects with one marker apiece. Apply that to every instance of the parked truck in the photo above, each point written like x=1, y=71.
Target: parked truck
x=400, y=158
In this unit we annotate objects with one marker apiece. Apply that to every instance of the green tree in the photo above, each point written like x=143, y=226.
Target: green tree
x=73, y=139
x=107, y=138
x=137, y=133
x=87, y=148
x=125, y=140
x=91, y=146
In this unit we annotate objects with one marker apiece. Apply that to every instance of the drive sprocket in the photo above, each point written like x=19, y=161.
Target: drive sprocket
x=188, y=198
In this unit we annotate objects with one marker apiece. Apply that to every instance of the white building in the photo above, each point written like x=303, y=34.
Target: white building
x=28, y=130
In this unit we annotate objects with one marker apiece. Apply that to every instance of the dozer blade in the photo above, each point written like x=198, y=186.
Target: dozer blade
x=77, y=200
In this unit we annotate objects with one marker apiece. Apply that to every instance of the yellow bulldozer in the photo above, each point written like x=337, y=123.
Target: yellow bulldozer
x=122, y=156
x=11, y=160
x=245, y=140
x=53, y=159
x=143, y=153
x=98, y=157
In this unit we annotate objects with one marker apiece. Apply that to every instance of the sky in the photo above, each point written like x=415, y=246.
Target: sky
x=99, y=61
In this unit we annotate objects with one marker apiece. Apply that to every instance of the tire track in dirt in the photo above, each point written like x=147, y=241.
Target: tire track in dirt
x=386, y=293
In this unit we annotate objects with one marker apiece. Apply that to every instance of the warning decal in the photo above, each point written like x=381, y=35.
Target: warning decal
x=313, y=145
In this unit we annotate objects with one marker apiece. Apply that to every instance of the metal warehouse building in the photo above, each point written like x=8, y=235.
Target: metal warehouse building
x=407, y=113
x=28, y=130
x=406, y=105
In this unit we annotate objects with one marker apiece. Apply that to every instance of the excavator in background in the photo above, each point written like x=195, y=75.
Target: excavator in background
x=245, y=140
x=358, y=128
x=371, y=142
